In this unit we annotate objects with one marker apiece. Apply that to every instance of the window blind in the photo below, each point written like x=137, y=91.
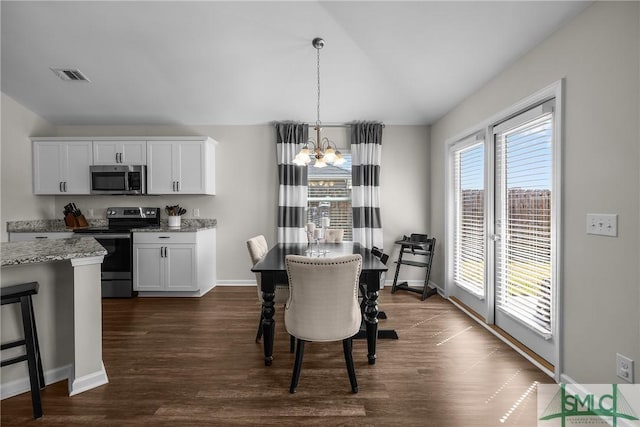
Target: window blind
x=469, y=230
x=523, y=222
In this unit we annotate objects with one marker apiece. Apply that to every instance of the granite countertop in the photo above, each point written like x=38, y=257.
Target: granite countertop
x=187, y=225
x=38, y=251
x=47, y=225
x=58, y=225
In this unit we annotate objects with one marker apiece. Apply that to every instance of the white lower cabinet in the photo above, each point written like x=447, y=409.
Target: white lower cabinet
x=174, y=261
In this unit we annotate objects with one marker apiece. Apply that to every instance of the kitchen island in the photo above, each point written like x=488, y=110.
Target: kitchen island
x=68, y=311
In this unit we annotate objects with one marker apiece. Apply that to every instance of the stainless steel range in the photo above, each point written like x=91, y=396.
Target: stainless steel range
x=117, y=280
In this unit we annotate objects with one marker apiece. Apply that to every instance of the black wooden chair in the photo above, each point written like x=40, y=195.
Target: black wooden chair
x=21, y=294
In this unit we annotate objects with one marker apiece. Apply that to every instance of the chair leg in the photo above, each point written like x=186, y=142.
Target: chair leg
x=34, y=375
x=297, y=366
x=292, y=344
x=259, y=334
x=37, y=344
x=348, y=358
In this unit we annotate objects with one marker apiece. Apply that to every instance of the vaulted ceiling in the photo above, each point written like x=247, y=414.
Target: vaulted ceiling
x=237, y=63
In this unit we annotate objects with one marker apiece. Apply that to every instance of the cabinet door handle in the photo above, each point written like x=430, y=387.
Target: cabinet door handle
x=64, y=186
x=164, y=237
x=120, y=157
x=60, y=185
x=161, y=251
x=41, y=237
x=178, y=185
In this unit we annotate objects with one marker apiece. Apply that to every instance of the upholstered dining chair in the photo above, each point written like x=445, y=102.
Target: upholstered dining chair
x=323, y=306
x=333, y=235
x=258, y=247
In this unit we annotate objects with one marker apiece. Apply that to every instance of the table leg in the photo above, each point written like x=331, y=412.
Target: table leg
x=371, y=322
x=268, y=325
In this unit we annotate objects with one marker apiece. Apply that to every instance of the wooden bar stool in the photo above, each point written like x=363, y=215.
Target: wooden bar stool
x=21, y=294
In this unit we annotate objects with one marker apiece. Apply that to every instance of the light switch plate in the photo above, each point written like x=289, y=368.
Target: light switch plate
x=602, y=224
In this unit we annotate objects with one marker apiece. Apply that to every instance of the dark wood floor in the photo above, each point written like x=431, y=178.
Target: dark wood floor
x=194, y=362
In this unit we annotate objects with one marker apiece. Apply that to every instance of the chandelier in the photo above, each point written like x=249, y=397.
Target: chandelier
x=322, y=149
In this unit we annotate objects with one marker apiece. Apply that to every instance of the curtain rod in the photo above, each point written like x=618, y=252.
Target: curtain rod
x=336, y=125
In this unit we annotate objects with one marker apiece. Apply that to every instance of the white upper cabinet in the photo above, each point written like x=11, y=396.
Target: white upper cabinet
x=61, y=167
x=181, y=166
x=184, y=165
x=119, y=152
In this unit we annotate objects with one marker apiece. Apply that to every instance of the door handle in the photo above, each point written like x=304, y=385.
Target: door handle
x=178, y=185
x=174, y=185
x=60, y=185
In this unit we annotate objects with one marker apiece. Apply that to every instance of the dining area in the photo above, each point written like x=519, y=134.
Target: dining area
x=324, y=280
x=187, y=361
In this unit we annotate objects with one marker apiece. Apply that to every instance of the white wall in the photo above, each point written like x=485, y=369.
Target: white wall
x=17, y=201
x=598, y=54
x=246, y=184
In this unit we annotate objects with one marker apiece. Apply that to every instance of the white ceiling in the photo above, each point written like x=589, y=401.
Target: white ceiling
x=233, y=63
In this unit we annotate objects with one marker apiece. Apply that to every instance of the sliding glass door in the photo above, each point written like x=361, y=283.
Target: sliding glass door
x=502, y=258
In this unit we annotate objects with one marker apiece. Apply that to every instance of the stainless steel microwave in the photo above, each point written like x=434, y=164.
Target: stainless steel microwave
x=118, y=179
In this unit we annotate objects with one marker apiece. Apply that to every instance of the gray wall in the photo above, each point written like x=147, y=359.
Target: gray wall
x=16, y=200
x=599, y=56
x=246, y=182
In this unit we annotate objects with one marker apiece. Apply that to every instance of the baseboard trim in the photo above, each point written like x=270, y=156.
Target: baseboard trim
x=88, y=382
x=236, y=283
x=22, y=385
x=524, y=351
x=178, y=294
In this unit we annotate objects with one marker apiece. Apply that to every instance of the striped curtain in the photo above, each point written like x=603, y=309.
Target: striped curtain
x=366, y=147
x=292, y=198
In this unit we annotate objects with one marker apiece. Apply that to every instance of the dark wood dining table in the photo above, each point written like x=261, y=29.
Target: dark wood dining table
x=272, y=269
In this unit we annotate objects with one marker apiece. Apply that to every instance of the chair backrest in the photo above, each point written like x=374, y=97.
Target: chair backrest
x=377, y=252
x=423, y=249
x=384, y=258
x=258, y=247
x=323, y=297
x=333, y=235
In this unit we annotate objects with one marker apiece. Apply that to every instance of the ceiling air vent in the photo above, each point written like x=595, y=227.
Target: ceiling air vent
x=68, y=74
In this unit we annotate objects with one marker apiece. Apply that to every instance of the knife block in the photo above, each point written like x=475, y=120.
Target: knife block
x=72, y=221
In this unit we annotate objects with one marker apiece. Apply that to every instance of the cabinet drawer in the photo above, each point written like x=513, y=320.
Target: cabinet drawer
x=51, y=235
x=167, y=238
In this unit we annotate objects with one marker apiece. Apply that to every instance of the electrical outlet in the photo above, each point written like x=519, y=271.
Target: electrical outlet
x=602, y=224
x=196, y=212
x=624, y=367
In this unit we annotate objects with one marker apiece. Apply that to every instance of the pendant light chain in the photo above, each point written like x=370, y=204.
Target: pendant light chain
x=322, y=150
x=318, y=71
